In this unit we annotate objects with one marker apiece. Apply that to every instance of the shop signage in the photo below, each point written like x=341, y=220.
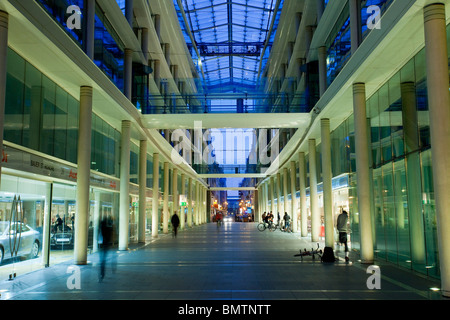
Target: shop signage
x=13, y=158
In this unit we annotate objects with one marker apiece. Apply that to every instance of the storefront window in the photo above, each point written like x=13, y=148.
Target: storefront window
x=22, y=225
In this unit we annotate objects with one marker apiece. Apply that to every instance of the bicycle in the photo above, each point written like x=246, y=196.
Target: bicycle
x=264, y=225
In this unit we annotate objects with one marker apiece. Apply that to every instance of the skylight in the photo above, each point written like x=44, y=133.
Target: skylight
x=230, y=38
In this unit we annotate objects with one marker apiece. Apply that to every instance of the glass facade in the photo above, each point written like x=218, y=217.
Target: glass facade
x=42, y=117
x=39, y=114
x=403, y=213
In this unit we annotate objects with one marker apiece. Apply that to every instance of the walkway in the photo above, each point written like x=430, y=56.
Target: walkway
x=235, y=262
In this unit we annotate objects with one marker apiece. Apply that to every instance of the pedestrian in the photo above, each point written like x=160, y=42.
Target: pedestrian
x=286, y=219
x=175, y=223
x=106, y=232
x=342, y=228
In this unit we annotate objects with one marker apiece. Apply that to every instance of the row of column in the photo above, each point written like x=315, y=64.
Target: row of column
x=439, y=113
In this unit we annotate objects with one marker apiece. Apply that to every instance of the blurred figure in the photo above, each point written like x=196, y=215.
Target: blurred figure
x=175, y=223
x=106, y=230
x=341, y=226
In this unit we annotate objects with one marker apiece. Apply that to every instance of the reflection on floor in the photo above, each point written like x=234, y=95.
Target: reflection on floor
x=233, y=262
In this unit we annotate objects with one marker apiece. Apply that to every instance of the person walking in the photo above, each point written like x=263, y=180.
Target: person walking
x=175, y=223
x=342, y=228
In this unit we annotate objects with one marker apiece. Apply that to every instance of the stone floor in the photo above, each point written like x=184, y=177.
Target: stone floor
x=233, y=262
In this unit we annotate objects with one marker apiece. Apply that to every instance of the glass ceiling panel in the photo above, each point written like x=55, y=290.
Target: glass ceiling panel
x=230, y=36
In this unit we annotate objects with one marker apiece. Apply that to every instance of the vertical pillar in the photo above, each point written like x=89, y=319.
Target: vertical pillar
x=285, y=191
x=142, y=189
x=362, y=171
x=313, y=196
x=278, y=196
x=145, y=45
x=302, y=187
x=327, y=186
x=129, y=15
x=413, y=182
x=167, y=53
x=166, y=199
x=155, y=196
x=272, y=195
x=355, y=24
x=90, y=29
x=189, y=196
x=294, y=215
x=183, y=192
x=97, y=219
x=320, y=9
x=124, y=211
x=128, y=74
x=157, y=21
x=46, y=229
x=83, y=176
x=176, y=202
x=4, y=25
x=438, y=100
x=157, y=73
x=322, y=56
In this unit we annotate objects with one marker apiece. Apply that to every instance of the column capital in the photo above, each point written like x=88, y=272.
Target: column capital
x=86, y=91
x=325, y=122
x=359, y=87
x=4, y=19
x=434, y=11
x=126, y=123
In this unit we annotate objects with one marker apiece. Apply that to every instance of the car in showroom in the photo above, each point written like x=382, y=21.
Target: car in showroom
x=25, y=239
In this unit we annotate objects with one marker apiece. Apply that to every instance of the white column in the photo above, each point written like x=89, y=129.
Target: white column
x=293, y=214
x=157, y=73
x=278, y=197
x=142, y=189
x=327, y=185
x=166, y=199
x=128, y=74
x=322, y=56
x=124, y=213
x=197, y=203
x=145, y=45
x=46, y=228
x=302, y=187
x=182, y=209
x=362, y=171
x=272, y=195
x=155, y=196
x=4, y=24
x=189, y=197
x=176, y=203
x=355, y=24
x=97, y=217
x=285, y=191
x=410, y=123
x=438, y=99
x=313, y=196
x=83, y=176
x=90, y=29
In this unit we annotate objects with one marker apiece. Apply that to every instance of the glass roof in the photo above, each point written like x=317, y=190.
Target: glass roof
x=229, y=37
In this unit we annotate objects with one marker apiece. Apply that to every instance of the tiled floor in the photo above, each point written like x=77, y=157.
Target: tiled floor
x=235, y=262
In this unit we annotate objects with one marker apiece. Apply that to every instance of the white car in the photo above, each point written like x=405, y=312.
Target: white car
x=27, y=240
